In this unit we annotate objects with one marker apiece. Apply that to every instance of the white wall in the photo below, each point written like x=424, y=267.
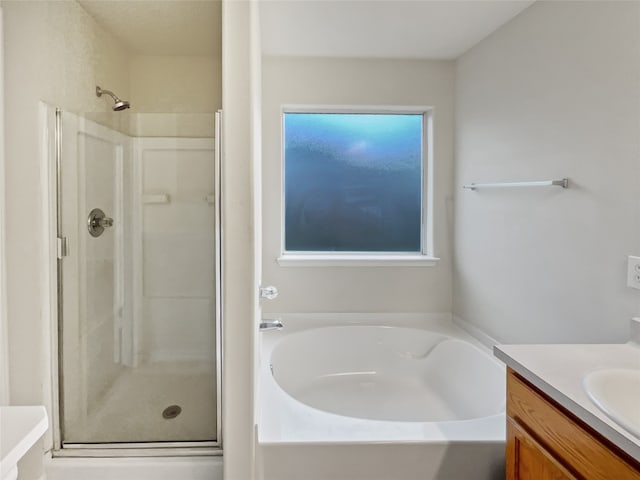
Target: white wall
x=240, y=254
x=553, y=93
x=323, y=81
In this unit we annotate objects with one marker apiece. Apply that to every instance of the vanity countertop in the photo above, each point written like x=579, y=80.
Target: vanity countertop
x=558, y=371
x=20, y=429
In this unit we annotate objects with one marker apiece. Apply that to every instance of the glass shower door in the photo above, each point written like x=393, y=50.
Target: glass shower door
x=92, y=272
x=138, y=335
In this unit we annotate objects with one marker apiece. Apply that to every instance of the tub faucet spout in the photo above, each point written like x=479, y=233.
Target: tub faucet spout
x=275, y=324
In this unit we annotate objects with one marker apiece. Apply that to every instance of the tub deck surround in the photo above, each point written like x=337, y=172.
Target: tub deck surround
x=559, y=371
x=344, y=433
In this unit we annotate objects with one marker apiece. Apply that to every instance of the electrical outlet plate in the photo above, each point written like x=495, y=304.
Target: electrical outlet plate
x=633, y=272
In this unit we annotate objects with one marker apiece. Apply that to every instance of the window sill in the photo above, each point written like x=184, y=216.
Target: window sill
x=337, y=260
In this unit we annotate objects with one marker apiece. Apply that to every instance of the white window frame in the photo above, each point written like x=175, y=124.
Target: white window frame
x=368, y=259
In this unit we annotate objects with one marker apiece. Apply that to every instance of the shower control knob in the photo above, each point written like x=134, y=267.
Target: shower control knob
x=97, y=222
x=268, y=293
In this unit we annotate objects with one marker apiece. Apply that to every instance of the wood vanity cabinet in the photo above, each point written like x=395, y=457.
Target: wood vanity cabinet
x=546, y=442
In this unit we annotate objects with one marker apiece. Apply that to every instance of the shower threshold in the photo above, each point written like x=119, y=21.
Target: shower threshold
x=169, y=468
x=146, y=449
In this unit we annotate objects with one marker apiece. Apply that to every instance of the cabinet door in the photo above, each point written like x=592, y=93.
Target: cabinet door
x=528, y=460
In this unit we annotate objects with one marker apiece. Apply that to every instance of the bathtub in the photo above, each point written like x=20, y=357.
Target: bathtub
x=349, y=397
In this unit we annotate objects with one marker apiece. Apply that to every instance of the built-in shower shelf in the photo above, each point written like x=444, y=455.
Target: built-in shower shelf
x=164, y=198
x=157, y=198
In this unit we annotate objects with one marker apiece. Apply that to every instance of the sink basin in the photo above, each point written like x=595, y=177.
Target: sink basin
x=617, y=393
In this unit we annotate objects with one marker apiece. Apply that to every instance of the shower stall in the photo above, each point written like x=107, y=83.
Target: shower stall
x=138, y=234
x=129, y=191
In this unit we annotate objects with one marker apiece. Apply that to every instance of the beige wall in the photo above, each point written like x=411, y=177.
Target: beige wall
x=53, y=52
x=171, y=84
x=46, y=60
x=174, y=96
x=298, y=81
x=553, y=93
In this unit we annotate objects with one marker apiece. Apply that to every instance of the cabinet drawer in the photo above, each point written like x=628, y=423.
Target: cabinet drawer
x=565, y=437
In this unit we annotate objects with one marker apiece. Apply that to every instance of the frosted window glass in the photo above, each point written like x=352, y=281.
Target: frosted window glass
x=353, y=182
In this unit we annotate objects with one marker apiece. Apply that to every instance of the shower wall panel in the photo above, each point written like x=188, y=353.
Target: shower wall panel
x=176, y=289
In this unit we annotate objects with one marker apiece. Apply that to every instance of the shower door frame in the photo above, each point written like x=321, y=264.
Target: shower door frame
x=51, y=128
x=4, y=342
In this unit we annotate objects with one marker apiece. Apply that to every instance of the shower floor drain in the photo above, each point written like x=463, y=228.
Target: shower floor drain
x=172, y=411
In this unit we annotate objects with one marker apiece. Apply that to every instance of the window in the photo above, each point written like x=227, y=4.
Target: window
x=354, y=183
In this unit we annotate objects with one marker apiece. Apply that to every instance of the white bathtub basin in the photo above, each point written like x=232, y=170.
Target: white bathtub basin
x=388, y=373
x=378, y=396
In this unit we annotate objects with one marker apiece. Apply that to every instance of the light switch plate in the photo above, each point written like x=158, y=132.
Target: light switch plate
x=633, y=272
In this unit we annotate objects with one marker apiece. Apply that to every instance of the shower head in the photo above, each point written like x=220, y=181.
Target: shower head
x=119, y=104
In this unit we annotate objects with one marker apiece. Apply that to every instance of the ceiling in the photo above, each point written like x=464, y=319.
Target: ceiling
x=440, y=29
x=161, y=27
